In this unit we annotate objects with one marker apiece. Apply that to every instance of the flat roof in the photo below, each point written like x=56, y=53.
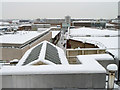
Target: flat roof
x=82, y=21
x=25, y=25
x=92, y=32
x=20, y=37
x=111, y=43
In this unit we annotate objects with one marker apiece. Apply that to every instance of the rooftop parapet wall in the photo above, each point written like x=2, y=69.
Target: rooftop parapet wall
x=85, y=75
x=55, y=81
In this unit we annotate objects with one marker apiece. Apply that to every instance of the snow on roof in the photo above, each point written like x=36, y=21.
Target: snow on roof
x=41, y=56
x=41, y=29
x=20, y=37
x=14, y=60
x=54, y=33
x=92, y=32
x=25, y=25
x=41, y=24
x=108, y=24
x=14, y=21
x=1, y=27
x=111, y=43
x=87, y=66
x=82, y=21
x=98, y=57
x=4, y=23
x=90, y=60
x=114, y=21
x=93, y=67
x=85, y=40
x=108, y=42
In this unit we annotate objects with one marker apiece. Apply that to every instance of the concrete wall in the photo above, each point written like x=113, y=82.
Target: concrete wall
x=72, y=53
x=93, y=80
x=47, y=37
x=75, y=52
x=10, y=54
x=14, y=53
x=75, y=44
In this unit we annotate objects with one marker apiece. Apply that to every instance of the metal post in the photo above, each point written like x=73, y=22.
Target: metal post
x=119, y=71
x=112, y=68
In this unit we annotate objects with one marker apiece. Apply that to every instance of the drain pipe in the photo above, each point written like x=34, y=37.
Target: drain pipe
x=112, y=68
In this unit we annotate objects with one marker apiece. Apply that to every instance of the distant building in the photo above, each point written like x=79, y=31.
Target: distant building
x=66, y=23
x=25, y=27
x=81, y=23
x=34, y=27
x=110, y=26
x=89, y=24
x=24, y=21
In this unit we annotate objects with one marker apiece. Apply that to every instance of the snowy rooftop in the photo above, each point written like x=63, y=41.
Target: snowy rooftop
x=111, y=43
x=44, y=52
x=87, y=66
x=54, y=33
x=25, y=25
x=4, y=23
x=108, y=42
x=42, y=29
x=1, y=27
x=108, y=24
x=82, y=21
x=20, y=37
x=92, y=32
x=97, y=57
x=93, y=60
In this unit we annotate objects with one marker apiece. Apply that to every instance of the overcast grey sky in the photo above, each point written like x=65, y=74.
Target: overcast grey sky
x=32, y=10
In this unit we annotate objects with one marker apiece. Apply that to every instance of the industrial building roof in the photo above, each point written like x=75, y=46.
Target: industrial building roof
x=79, y=32
x=110, y=43
x=20, y=37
